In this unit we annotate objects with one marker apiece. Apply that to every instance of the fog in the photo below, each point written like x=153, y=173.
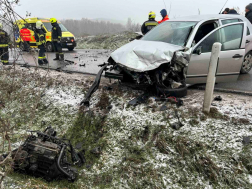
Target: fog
x=120, y=10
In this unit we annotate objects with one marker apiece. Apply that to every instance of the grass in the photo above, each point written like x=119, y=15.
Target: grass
x=88, y=130
x=111, y=42
x=123, y=151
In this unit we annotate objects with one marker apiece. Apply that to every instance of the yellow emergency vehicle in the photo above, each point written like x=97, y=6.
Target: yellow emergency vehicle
x=25, y=32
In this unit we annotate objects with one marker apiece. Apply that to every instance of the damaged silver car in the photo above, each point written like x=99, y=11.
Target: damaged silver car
x=177, y=52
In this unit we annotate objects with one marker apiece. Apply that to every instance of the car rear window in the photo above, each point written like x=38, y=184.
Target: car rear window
x=229, y=21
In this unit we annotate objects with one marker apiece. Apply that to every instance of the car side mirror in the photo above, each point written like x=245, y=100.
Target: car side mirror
x=198, y=51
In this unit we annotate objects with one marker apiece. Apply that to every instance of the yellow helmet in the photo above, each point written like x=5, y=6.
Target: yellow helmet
x=152, y=14
x=53, y=20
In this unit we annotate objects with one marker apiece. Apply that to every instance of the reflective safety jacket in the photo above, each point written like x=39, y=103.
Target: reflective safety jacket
x=164, y=19
x=40, y=37
x=56, y=32
x=4, y=39
x=148, y=25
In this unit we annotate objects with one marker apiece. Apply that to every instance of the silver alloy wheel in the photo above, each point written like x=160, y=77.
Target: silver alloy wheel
x=247, y=63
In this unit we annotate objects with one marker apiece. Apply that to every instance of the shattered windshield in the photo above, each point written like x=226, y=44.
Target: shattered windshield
x=171, y=32
x=48, y=26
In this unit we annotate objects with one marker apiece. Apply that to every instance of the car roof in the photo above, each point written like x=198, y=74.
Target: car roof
x=198, y=18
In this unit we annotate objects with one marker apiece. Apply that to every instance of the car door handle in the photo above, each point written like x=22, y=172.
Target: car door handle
x=237, y=56
x=247, y=41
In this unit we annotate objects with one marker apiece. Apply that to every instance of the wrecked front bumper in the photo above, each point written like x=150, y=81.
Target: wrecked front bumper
x=162, y=71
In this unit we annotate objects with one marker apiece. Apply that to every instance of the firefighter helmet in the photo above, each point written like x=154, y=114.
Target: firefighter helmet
x=53, y=20
x=152, y=15
x=39, y=25
x=1, y=26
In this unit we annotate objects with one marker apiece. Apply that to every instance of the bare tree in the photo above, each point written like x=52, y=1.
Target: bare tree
x=9, y=18
x=133, y=27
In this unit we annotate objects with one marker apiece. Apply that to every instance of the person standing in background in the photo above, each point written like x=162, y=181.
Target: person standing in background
x=164, y=15
x=248, y=11
x=56, y=39
x=149, y=24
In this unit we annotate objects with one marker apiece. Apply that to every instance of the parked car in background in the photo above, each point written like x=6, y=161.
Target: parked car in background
x=67, y=41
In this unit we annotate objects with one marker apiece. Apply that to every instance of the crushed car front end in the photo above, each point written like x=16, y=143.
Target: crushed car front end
x=156, y=62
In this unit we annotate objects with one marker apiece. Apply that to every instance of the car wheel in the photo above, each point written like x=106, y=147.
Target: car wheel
x=179, y=92
x=247, y=63
x=71, y=49
x=49, y=47
x=21, y=46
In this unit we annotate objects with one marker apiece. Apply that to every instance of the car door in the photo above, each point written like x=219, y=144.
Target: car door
x=248, y=35
x=233, y=39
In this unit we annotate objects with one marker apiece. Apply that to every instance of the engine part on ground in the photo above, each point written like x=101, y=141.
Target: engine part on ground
x=178, y=124
x=69, y=62
x=218, y=98
x=163, y=108
x=246, y=140
x=94, y=87
x=139, y=100
x=172, y=100
x=25, y=66
x=44, y=155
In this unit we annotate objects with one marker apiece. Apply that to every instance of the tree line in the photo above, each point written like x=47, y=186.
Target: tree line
x=84, y=27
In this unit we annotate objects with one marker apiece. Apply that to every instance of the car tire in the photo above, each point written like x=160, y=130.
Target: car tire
x=179, y=92
x=71, y=48
x=49, y=47
x=247, y=63
x=21, y=46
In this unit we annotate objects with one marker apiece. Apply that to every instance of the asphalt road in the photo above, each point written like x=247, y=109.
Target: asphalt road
x=242, y=86
x=87, y=61
x=79, y=61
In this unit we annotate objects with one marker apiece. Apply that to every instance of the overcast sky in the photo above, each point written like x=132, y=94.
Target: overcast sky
x=122, y=9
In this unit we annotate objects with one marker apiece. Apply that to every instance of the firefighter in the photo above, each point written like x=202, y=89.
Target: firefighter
x=4, y=46
x=164, y=15
x=40, y=37
x=150, y=24
x=25, y=35
x=56, y=39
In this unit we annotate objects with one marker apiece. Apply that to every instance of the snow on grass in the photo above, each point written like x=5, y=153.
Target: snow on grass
x=140, y=147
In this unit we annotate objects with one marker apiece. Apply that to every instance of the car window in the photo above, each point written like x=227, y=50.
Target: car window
x=31, y=26
x=48, y=27
x=248, y=31
x=175, y=33
x=204, y=30
x=230, y=37
x=229, y=21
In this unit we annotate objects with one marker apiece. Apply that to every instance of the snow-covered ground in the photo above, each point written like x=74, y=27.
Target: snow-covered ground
x=139, y=147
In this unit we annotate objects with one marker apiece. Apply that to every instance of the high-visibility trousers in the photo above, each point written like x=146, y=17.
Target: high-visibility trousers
x=42, y=57
x=4, y=53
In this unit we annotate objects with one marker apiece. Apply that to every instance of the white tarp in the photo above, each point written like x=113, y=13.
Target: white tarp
x=141, y=56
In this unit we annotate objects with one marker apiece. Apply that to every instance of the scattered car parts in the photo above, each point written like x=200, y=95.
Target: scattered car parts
x=44, y=155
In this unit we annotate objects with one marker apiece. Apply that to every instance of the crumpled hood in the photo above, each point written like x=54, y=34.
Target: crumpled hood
x=142, y=56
